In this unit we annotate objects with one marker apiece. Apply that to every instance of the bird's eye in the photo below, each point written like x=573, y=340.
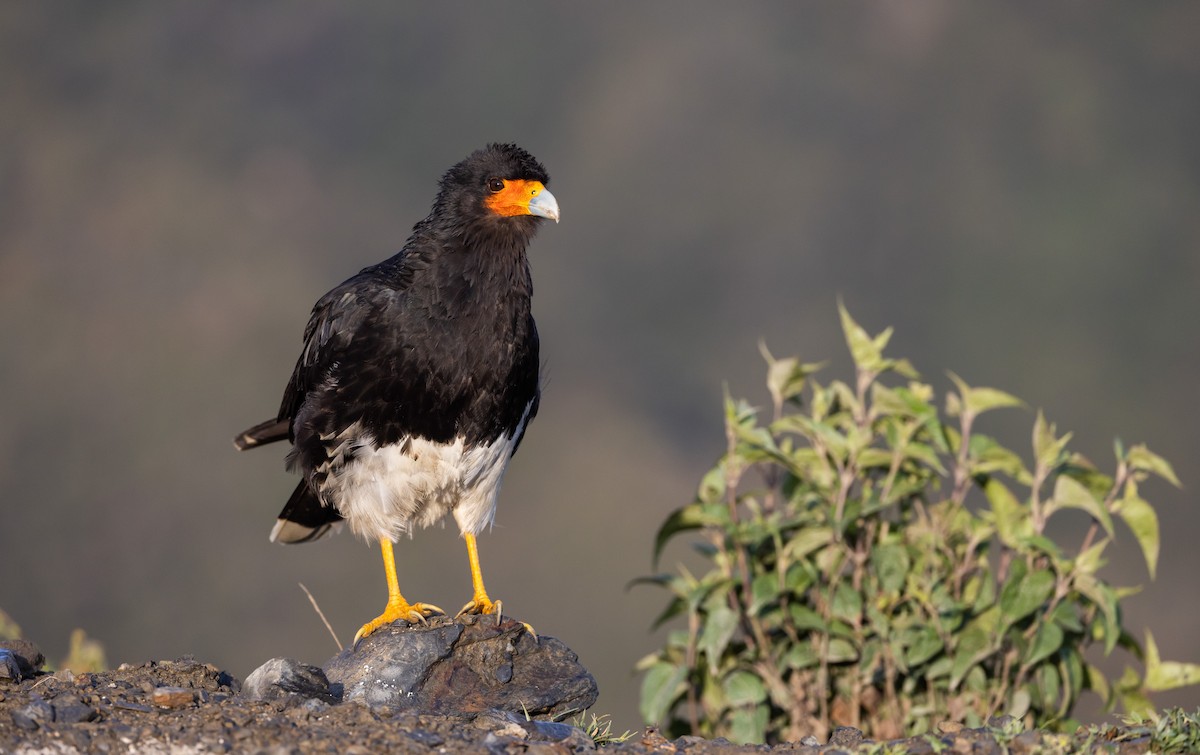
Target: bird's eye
x=495, y=185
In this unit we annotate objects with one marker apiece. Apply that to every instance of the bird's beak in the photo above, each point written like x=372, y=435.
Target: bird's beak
x=544, y=205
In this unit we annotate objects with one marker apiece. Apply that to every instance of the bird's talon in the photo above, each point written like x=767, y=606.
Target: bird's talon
x=413, y=613
x=480, y=606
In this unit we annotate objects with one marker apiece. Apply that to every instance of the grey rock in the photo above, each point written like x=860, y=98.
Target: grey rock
x=427, y=738
x=689, y=740
x=19, y=659
x=286, y=680
x=10, y=670
x=467, y=665
x=70, y=710
x=515, y=726
x=37, y=713
x=391, y=665
x=810, y=741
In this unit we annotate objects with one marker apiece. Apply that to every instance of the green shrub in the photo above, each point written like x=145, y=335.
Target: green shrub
x=876, y=566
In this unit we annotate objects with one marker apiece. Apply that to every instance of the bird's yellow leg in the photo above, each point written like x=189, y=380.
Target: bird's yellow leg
x=480, y=603
x=397, y=606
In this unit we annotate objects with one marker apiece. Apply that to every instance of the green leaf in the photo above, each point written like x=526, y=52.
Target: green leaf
x=808, y=540
x=1024, y=593
x=805, y=618
x=1166, y=675
x=1020, y=704
x=841, y=651
x=1130, y=692
x=1069, y=493
x=926, y=455
x=785, y=377
x=988, y=457
x=1142, y=458
x=1047, y=449
x=801, y=656
x=1139, y=516
x=764, y=591
x=749, y=725
x=976, y=642
x=1079, y=468
x=661, y=687
x=922, y=645
x=847, y=603
x=1090, y=561
x=979, y=400
x=718, y=630
x=1103, y=597
x=1009, y=516
x=866, y=352
x=1048, y=685
x=1046, y=642
x=712, y=486
x=691, y=517
x=1096, y=681
x=891, y=563
x=743, y=688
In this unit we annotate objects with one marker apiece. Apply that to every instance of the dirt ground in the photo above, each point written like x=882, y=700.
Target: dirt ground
x=186, y=706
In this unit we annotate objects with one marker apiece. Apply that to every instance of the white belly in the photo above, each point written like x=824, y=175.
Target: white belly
x=385, y=492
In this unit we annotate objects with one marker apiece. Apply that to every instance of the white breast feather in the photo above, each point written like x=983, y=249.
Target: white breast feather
x=384, y=492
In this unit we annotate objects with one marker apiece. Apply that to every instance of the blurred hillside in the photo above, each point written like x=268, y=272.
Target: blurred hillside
x=1015, y=187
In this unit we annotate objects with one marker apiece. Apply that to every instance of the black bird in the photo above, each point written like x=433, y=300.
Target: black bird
x=419, y=376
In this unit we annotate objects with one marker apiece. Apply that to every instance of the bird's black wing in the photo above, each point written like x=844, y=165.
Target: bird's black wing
x=335, y=322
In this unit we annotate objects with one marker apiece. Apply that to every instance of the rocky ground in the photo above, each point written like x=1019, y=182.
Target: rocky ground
x=452, y=687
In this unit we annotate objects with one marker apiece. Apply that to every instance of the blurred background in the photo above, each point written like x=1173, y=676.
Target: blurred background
x=1015, y=187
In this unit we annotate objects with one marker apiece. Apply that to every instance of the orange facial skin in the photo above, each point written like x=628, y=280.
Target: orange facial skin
x=514, y=198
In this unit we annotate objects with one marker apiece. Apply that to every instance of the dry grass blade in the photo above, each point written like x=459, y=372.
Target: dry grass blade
x=317, y=608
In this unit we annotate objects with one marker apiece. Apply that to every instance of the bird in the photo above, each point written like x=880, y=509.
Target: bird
x=419, y=376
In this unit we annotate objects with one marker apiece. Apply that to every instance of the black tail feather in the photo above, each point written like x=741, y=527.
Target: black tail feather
x=262, y=433
x=303, y=517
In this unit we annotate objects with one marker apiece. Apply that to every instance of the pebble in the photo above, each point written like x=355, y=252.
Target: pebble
x=427, y=738
x=70, y=710
x=950, y=727
x=126, y=705
x=845, y=736
x=172, y=697
x=36, y=713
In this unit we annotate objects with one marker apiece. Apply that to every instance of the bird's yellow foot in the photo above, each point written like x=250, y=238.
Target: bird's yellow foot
x=395, y=611
x=482, y=605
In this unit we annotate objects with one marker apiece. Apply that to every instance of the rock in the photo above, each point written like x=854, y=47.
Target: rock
x=846, y=736
x=172, y=697
x=427, y=738
x=37, y=713
x=286, y=679
x=71, y=710
x=19, y=659
x=653, y=740
x=467, y=665
x=10, y=670
x=810, y=741
x=515, y=726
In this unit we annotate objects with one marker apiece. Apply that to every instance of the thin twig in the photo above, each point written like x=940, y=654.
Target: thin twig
x=317, y=608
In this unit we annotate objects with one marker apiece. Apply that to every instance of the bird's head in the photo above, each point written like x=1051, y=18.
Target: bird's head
x=499, y=185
